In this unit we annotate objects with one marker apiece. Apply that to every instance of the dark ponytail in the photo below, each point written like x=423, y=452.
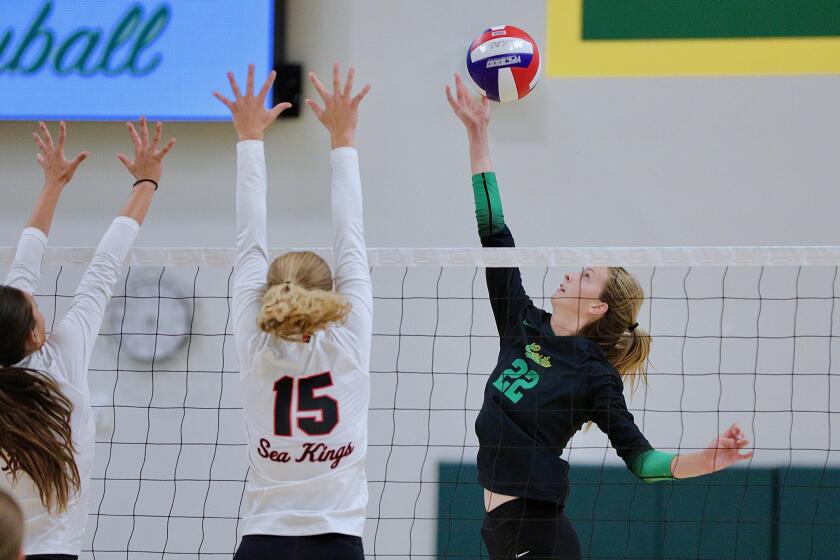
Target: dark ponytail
x=35, y=435
x=16, y=322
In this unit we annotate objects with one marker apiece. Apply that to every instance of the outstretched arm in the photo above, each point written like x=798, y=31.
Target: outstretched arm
x=475, y=115
x=74, y=336
x=609, y=412
x=340, y=116
x=25, y=271
x=146, y=167
x=726, y=450
x=507, y=295
x=250, y=119
x=58, y=172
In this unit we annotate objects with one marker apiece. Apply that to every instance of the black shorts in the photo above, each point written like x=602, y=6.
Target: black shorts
x=529, y=530
x=330, y=546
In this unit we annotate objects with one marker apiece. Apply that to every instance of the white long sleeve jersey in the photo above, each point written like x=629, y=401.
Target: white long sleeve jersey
x=65, y=357
x=306, y=404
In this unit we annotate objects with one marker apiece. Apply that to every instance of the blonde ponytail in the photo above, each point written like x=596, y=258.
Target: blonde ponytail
x=617, y=333
x=299, y=300
x=631, y=357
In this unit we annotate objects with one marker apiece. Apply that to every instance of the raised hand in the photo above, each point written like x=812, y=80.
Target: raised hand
x=148, y=160
x=250, y=117
x=58, y=171
x=726, y=449
x=474, y=112
x=340, y=113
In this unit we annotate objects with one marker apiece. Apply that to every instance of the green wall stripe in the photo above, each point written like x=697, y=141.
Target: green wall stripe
x=709, y=19
x=743, y=513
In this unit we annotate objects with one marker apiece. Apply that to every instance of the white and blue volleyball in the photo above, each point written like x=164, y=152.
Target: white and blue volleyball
x=504, y=63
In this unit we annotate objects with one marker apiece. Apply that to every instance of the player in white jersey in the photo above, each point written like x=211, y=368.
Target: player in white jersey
x=47, y=428
x=303, y=337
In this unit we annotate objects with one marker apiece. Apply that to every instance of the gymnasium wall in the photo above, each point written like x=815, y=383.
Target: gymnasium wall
x=604, y=161
x=595, y=161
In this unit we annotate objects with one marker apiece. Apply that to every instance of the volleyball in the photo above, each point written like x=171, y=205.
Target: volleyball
x=504, y=63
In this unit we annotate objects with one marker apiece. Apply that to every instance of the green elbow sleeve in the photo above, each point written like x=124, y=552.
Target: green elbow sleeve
x=653, y=466
x=488, y=204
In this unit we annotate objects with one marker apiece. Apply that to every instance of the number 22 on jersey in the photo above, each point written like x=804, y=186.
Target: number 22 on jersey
x=317, y=415
x=512, y=381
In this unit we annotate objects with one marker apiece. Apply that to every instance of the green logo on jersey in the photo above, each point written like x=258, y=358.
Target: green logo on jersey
x=512, y=381
x=532, y=352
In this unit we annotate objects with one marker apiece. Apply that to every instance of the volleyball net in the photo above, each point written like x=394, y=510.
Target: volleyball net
x=746, y=335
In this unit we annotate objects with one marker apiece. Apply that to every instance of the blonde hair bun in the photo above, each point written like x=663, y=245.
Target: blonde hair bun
x=290, y=311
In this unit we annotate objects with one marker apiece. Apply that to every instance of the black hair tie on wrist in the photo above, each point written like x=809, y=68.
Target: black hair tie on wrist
x=632, y=327
x=152, y=181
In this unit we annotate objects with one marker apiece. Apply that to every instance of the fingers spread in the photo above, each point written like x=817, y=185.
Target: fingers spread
x=234, y=86
x=361, y=95
x=279, y=108
x=158, y=132
x=62, y=135
x=319, y=87
x=452, y=101
x=134, y=136
x=460, y=88
x=125, y=161
x=40, y=142
x=249, y=90
x=348, y=85
x=228, y=103
x=267, y=85
x=144, y=131
x=336, y=78
x=315, y=108
x=79, y=159
x=166, y=149
x=48, y=141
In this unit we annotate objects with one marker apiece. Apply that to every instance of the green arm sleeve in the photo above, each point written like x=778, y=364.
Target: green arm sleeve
x=653, y=466
x=488, y=204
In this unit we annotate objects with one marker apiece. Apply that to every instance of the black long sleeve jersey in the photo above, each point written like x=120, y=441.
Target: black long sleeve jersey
x=544, y=389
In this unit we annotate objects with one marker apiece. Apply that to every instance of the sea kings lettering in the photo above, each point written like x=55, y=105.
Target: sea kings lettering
x=310, y=453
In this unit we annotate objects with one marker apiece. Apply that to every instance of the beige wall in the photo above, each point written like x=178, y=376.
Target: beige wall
x=676, y=161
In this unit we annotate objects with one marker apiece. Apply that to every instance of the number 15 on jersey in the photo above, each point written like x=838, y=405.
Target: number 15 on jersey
x=317, y=415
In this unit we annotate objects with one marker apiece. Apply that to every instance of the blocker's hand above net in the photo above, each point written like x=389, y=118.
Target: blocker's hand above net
x=250, y=116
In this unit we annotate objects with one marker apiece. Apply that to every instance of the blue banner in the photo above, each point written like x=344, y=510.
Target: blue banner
x=117, y=59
